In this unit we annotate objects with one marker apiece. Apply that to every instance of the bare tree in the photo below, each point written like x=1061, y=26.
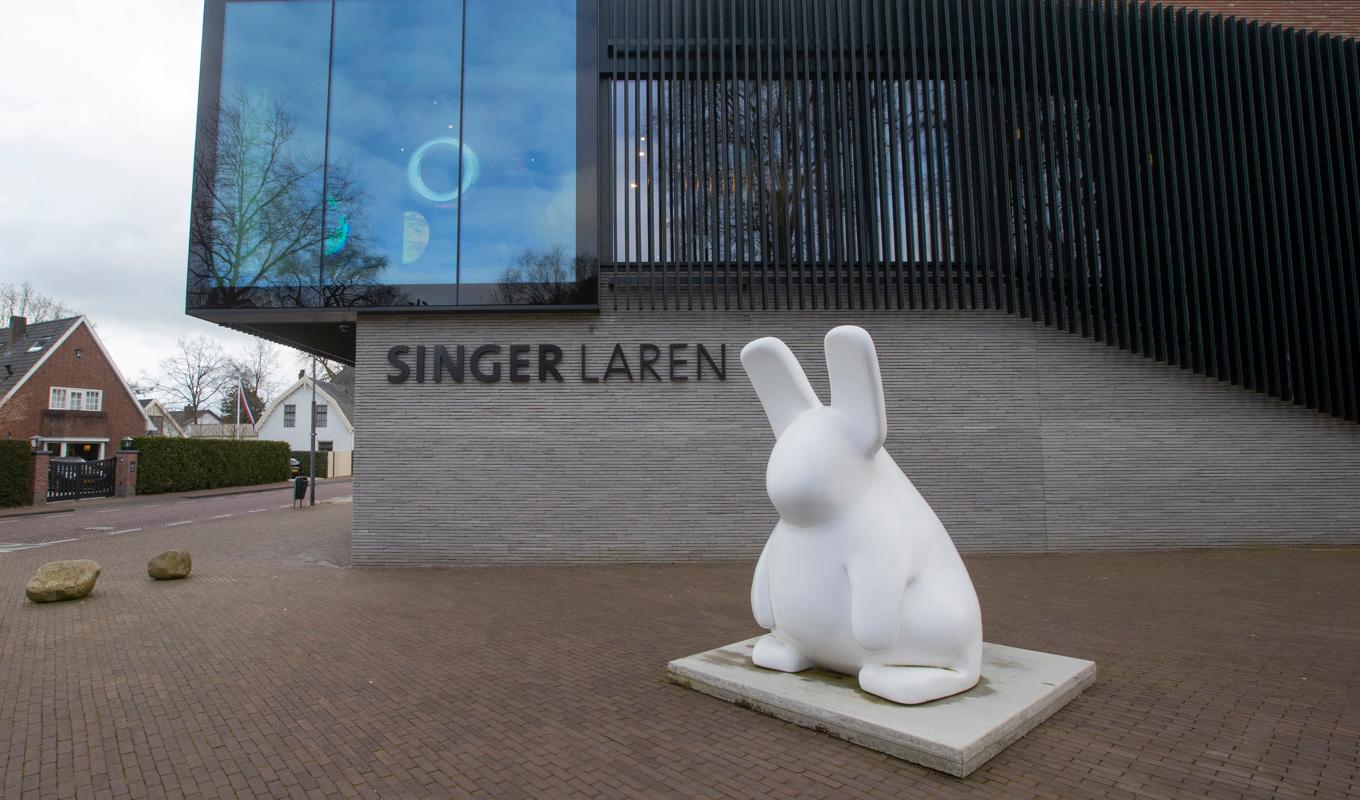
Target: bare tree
x=326, y=368
x=259, y=207
x=544, y=278
x=194, y=374
x=142, y=386
x=258, y=218
x=257, y=367
x=20, y=300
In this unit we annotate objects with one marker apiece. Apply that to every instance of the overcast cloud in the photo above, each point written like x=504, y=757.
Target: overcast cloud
x=97, y=114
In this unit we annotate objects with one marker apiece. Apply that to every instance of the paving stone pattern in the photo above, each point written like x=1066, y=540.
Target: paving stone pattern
x=274, y=672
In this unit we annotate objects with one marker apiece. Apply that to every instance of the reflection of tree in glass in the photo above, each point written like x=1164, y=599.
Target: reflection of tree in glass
x=258, y=217
x=544, y=278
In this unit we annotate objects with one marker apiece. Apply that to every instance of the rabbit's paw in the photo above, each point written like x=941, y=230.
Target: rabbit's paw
x=771, y=653
x=912, y=685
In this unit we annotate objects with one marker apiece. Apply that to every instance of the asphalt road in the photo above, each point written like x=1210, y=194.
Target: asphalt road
x=93, y=519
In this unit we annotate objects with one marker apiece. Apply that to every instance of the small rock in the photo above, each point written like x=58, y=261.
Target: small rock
x=170, y=565
x=62, y=580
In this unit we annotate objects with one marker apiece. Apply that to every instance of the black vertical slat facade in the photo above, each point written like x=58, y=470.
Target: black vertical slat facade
x=1181, y=185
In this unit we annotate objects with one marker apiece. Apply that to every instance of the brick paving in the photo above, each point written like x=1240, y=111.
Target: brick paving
x=276, y=672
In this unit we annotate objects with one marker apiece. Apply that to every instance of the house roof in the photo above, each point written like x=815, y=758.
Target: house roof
x=187, y=416
x=41, y=340
x=16, y=360
x=341, y=389
x=151, y=405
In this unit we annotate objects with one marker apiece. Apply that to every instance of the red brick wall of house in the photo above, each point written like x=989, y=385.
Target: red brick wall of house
x=1329, y=16
x=26, y=413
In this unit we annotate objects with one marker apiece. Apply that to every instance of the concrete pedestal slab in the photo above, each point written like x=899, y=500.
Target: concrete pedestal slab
x=1019, y=689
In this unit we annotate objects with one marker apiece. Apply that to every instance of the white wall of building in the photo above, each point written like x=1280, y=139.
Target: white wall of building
x=337, y=430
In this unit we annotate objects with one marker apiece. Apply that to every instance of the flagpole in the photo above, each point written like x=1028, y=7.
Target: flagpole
x=239, y=392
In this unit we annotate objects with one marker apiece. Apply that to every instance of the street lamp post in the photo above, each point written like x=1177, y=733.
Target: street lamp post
x=311, y=462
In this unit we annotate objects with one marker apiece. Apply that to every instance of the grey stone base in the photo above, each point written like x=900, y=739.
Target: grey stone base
x=1019, y=689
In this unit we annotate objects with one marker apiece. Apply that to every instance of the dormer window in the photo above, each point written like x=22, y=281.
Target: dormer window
x=40, y=344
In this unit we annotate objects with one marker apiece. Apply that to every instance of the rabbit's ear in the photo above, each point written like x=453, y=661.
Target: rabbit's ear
x=856, y=385
x=779, y=381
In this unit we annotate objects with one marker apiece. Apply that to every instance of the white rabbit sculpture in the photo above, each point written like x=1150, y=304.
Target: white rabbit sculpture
x=859, y=575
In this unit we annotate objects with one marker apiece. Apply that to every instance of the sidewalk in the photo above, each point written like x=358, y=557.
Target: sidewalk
x=275, y=672
x=97, y=503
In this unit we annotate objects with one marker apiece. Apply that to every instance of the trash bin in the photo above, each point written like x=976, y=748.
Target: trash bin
x=299, y=489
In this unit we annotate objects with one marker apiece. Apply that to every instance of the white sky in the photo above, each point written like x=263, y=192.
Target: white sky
x=97, y=115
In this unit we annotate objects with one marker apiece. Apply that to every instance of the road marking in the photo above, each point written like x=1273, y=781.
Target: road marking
x=256, y=510
x=285, y=506
x=181, y=522
x=108, y=511
x=9, y=548
x=100, y=528
x=220, y=516
x=182, y=502
x=128, y=530
x=149, y=505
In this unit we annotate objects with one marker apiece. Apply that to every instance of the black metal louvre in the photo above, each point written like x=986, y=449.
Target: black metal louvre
x=1177, y=184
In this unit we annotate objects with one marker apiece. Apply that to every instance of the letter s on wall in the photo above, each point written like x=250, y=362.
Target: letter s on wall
x=403, y=369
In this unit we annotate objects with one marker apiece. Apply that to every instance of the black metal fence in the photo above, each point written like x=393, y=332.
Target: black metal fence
x=76, y=480
x=1181, y=185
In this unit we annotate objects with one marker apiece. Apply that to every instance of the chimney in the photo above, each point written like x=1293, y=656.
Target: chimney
x=18, y=328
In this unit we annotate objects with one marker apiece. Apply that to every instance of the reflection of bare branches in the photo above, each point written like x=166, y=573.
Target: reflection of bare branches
x=257, y=210
x=763, y=192
x=545, y=279
x=258, y=214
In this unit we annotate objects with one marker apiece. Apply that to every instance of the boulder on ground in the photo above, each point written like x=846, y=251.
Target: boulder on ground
x=62, y=580
x=170, y=565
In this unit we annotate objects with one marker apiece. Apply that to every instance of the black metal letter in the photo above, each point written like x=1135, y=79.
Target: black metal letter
x=645, y=365
x=549, y=356
x=584, y=377
x=705, y=356
x=486, y=349
x=619, y=356
x=394, y=358
x=518, y=363
x=442, y=364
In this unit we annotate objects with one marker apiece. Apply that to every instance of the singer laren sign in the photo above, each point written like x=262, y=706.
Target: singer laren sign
x=541, y=363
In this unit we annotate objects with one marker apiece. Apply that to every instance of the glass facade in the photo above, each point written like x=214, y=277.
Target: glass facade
x=388, y=154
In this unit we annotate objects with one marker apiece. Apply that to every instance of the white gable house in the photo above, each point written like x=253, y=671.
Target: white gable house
x=286, y=418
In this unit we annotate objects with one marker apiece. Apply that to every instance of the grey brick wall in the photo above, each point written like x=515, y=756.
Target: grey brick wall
x=1024, y=439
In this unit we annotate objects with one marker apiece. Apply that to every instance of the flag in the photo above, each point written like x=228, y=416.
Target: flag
x=242, y=402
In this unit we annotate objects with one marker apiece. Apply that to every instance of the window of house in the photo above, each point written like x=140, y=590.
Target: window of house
x=289, y=415
x=64, y=398
x=325, y=446
x=40, y=344
x=320, y=415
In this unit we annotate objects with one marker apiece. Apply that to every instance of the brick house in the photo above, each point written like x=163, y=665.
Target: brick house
x=57, y=381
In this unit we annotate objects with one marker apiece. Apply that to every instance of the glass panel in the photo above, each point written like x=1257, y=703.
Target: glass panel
x=257, y=226
x=519, y=218
x=371, y=217
x=393, y=175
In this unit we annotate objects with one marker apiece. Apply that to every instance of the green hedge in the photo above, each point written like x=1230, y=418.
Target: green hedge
x=322, y=463
x=15, y=465
x=166, y=464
